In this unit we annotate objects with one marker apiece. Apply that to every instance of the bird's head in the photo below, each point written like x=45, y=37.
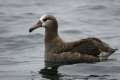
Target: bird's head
x=46, y=21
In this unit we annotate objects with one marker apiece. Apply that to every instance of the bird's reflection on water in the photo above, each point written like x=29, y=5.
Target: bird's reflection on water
x=50, y=71
x=59, y=76
x=55, y=76
x=50, y=68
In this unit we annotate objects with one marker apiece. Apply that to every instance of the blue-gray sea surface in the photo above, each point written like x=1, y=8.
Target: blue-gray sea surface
x=22, y=53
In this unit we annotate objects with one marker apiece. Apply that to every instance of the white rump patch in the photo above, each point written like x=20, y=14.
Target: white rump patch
x=104, y=56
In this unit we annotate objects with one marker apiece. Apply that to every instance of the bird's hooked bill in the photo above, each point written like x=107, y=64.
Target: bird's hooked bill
x=35, y=26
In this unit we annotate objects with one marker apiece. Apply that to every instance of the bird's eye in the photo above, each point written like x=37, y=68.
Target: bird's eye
x=45, y=19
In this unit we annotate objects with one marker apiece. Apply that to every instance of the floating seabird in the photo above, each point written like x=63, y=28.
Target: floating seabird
x=58, y=51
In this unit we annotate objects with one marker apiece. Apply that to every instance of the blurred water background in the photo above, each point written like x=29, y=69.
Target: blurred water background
x=22, y=53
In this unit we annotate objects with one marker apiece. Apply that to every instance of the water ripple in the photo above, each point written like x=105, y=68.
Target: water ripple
x=98, y=7
x=71, y=31
x=18, y=42
x=96, y=16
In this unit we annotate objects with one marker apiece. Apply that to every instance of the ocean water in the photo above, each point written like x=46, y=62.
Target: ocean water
x=22, y=53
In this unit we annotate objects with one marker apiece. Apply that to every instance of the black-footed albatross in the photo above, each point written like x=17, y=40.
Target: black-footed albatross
x=58, y=51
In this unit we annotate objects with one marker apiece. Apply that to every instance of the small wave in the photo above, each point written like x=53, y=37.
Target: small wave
x=110, y=36
x=91, y=7
x=29, y=13
x=39, y=4
x=14, y=5
x=3, y=30
x=71, y=31
x=11, y=18
x=98, y=7
x=19, y=42
x=2, y=13
x=85, y=77
x=11, y=62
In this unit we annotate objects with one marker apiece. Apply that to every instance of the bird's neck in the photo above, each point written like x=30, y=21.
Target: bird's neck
x=50, y=35
x=52, y=40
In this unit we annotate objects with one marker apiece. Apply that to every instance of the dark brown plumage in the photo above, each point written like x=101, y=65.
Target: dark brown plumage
x=58, y=51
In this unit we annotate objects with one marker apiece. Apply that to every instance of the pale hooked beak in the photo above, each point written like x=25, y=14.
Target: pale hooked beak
x=35, y=26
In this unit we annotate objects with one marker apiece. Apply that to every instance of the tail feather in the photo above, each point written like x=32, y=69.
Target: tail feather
x=114, y=50
x=105, y=55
